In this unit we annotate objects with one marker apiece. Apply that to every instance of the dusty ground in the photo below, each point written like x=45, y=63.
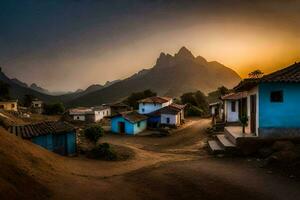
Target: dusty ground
x=173, y=167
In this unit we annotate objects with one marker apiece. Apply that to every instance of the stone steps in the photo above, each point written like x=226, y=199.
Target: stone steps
x=215, y=147
x=221, y=144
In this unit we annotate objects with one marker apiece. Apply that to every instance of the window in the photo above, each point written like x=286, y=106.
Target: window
x=13, y=105
x=78, y=117
x=168, y=120
x=276, y=96
x=138, y=124
x=233, y=106
x=1, y=106
x=143, y=109
x=154, y=104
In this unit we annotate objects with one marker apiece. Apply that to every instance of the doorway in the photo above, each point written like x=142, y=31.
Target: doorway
x=253, y=113
x=121, y=127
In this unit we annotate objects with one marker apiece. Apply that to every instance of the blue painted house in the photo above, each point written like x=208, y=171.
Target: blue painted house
x=272, y=103
x=129, y=123
x=56, y=136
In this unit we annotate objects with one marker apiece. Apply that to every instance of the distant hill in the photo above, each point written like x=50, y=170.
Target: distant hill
x=170, y=76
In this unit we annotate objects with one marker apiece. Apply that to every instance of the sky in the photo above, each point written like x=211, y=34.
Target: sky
x=71, y=44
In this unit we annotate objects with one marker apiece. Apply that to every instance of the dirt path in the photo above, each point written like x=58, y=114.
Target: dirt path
x=173, y=167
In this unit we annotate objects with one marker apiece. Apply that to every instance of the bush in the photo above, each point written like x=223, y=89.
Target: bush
x=93, y=133
x=194, y=111
x=103, y=151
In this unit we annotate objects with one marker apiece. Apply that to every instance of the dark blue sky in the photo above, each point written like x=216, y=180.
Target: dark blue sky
x=69, y=44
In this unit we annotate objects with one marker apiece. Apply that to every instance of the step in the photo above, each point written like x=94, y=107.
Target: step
x=225, y=142
x=215, y=147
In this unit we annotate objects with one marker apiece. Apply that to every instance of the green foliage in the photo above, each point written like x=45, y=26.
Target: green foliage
x=54, y=109
x=28, y=99
x=93, y=133
x=197, y=103
x=133, y=99
x=223, y=90
x=215, y=95
x=103, y=151
x=256, y=74
x=194, y=111
x=244, y=120
x=4, y=90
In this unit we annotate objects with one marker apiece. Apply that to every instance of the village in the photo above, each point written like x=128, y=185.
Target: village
x=256, y=121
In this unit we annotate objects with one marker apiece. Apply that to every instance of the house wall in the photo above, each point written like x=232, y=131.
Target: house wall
x=145, y=108
x=9, y=106
x=129, y=128
x=143, y=126
x=67, y=141
x=229, y=115
x=150, y=107
x=174, y=119
x=279, y=118
x=101, y=114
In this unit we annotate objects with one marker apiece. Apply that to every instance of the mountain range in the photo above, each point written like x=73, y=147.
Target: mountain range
x=170, y=76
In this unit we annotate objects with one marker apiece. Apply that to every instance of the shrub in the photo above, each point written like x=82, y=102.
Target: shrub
x=194, y=111
x=103, y=151
x=93, y=133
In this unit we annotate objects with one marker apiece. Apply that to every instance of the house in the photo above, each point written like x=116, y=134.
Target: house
x=171, y=115
x=129, y=123
x=93, y=114
x=56, y=136
x=271, y=105
x=234, y=106
x=216, y=111
x=152, y=104
x=10, y=105
x=37, y=106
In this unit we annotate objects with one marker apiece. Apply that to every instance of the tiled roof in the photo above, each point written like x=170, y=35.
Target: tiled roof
x=158, y=100
x=133, y=116
x=289, y=74
x=172, y=109
x=234, y=96
x=43, y=128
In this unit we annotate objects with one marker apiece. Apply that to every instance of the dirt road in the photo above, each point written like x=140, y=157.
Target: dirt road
x=174, y=167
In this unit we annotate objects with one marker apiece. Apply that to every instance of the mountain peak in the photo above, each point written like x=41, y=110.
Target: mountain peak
x=184, y=53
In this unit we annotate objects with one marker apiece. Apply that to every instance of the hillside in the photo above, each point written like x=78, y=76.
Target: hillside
x=23, y=168
x=171, y=76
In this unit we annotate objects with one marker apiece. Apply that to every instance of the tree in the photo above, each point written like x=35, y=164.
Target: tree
x=197, y=103
x=93, y=133
x=54, y=109
x=133, y=99
x=256, y=74
x=4, y=90
x=223, y=90
x=28, y=100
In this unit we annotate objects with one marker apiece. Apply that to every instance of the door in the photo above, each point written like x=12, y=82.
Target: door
x=253, y=113
x=121, y=127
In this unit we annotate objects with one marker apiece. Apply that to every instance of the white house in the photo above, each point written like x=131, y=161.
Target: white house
x=11, y=105
x=37, y=106
x=152, y=104
x=93, y=114
x=234, y=104
x=171, y=115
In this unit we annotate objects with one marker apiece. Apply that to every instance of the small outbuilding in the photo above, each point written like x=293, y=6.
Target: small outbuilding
x=37, y=106
x=56, y=136
x=93, y=114
x=129, y=123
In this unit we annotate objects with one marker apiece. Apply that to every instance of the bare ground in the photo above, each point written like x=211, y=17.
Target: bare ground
x=173, y=167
